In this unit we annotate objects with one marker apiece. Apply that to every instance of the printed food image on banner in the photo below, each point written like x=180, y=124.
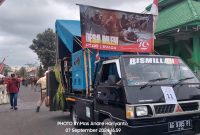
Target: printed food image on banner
x=113, y=30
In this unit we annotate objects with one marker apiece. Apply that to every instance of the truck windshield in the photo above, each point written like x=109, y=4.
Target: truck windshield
x=139, y=71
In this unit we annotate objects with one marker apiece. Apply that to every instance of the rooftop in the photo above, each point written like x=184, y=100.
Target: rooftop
x=177, y=13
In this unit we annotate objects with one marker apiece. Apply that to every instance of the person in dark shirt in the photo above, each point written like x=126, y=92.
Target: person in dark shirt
x=13, y=89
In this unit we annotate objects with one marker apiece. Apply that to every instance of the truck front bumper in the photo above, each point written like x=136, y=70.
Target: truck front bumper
x=160, y=126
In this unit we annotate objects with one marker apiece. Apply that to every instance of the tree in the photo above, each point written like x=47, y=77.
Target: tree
x=22, y=72
x=44, y=46
x=6, y=72
x=40, y=71
x=6, y=69
x=31, y=65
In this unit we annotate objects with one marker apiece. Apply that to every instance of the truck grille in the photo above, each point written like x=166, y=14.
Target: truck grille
x=162, y=109
x=189, y=106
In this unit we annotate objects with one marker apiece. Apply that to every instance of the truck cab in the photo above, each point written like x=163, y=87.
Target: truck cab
x=140, y=94
x=153, y=94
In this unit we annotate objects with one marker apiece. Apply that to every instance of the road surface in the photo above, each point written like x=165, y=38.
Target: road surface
x=25, y=121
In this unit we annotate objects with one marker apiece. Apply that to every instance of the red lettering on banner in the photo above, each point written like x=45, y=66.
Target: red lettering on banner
x=176, y=61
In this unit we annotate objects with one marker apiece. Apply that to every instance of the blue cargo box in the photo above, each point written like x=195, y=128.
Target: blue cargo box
x=78, y=74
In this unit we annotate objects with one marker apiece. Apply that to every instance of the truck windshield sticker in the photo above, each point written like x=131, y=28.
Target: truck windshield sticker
x=170, y=97
x=134, y=61
x=88, y=112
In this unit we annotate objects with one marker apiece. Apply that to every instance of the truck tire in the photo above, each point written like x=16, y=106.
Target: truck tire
x=75, y=118
x=108, y=127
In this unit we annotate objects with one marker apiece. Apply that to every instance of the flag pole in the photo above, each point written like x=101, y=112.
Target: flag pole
x=154, y=12
x=86, y=72
x=90, y=71
x=2, y=64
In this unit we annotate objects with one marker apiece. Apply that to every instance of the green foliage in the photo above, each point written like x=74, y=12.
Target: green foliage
x=22, y=72
x=31, y=64
x=60, y=91
x=40, y=71
x=6, y=69
x=44, y=46
x=192, y=63
x=6, y=72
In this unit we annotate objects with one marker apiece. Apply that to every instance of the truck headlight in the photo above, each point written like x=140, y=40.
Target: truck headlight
x=129, y=112
x=141, y=111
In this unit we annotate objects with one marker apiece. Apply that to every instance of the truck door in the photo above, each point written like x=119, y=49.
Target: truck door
x=109, y=95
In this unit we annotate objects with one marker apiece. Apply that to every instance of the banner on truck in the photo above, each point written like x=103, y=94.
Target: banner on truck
x=112, y=30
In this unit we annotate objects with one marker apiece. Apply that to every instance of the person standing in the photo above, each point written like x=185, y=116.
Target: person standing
x=42, y=83
x=13, y=86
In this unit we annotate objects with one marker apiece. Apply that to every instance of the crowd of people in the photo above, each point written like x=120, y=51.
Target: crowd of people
x=25, y=81
x=29, y=81
x=13, y=87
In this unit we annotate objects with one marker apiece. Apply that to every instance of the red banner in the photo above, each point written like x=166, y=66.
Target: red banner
x=113, y=30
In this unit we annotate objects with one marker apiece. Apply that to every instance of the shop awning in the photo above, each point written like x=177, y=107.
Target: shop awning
x=67, y=30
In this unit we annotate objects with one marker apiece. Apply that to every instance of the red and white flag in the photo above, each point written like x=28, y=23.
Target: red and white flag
x=97, y=58
x=1, y=2
x=154, y=8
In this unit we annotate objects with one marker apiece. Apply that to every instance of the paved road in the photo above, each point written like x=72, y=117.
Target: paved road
x=25, y=121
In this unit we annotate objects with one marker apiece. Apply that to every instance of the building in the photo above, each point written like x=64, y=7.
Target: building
x=178, y=30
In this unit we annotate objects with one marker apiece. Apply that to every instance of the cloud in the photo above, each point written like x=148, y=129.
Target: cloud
x=22, y=20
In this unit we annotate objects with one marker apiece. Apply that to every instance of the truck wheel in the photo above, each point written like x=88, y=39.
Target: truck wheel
x=107, y=127
x=75, y=118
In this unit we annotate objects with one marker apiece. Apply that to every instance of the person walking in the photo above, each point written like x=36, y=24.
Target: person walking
x=13, y=86
x=43, y=87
